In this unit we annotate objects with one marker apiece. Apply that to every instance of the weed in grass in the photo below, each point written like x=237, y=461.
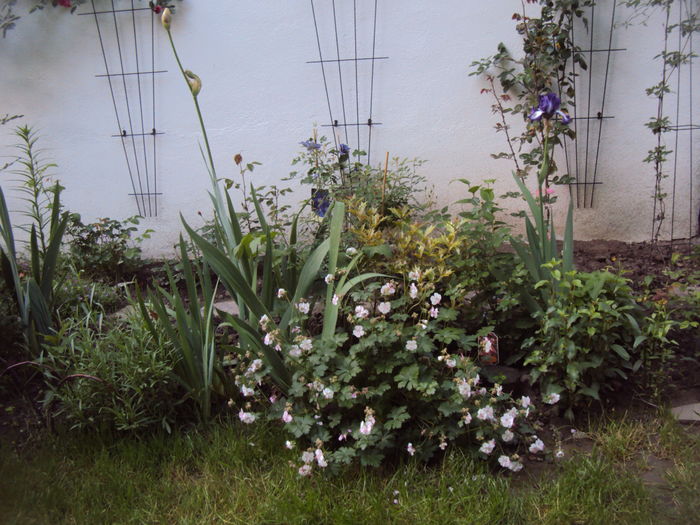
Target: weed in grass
x=684, y=480
x=621, y=439
x=591, y=490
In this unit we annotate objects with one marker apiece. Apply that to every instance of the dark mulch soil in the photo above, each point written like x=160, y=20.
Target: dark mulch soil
x=637, y=260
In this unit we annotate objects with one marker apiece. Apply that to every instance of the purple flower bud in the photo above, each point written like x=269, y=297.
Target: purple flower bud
x=344, y=149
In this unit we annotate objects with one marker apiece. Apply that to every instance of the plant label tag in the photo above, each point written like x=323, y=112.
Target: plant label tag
x=488, y=349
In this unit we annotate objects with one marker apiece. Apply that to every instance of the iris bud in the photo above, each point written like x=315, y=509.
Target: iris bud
x=194, y=82
x=165, y=18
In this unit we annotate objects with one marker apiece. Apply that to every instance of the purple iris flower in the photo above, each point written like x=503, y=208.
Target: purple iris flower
x=311, y=145
x=548, y=107
x=344, y=149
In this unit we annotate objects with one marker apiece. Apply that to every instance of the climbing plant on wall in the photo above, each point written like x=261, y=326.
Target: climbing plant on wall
x=546, y=66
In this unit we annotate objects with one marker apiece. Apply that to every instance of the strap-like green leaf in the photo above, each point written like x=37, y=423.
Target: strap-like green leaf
x=267, y=284
x=51, y=257
x=229, y=274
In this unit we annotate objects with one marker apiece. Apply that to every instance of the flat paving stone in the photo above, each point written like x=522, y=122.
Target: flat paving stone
x=689, y=412
x=229, y=307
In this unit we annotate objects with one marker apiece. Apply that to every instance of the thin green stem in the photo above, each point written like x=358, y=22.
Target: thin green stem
x=196, y=105
x=544, y=237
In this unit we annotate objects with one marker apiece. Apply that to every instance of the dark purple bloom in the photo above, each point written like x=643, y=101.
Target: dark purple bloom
x=311, y=145
x=320, y=201
x=344, y=149
x=548, y=107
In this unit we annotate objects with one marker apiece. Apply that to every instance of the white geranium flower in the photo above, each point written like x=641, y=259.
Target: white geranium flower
x=552, y=399
x=525, y=401
x=504, y=461
x=289, y=444
x=435, y=299
x=305, y=470
x=287, y=417
x=384, y=308
x=414, y=275
x=434, y=312
x=358, y=331
x=450, y=363
x=306, y=345
x=465, y=389
x=320, y=460
x=351, y=251
x=269, y=339
x=335, y=299
x=308, y=457
x=246, y=417
x=537, y=446
x=329, y=278
x=410, y=449
x=281, y=294
x=485, y=413
x=507, y=436
x=412, y=345
x=388, y=289
x=488, y=446
x=467, y=418
x=295, y=351
x=516, y=466
x=361, y=312
x=247, y=392
x=508, y=418
x=367, y=425
x=254, y=367
x=303, y=307
x=327, y=393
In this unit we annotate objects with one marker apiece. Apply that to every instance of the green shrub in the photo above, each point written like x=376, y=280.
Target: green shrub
x=396, y=380
x=587, y=337
x=342, y=175
x=105, y=249
x=109, y=378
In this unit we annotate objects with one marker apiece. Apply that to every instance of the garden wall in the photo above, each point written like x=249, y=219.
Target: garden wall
x=261, y=97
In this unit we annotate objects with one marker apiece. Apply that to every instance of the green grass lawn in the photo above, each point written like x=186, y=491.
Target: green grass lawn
x=227, y=474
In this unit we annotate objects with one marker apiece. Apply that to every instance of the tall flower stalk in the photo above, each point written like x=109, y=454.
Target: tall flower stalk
x=195, y=86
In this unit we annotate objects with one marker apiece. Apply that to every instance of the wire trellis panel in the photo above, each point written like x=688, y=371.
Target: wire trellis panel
x=583, y=153
x=127, y=40
x=346, y=36
x=680, y=83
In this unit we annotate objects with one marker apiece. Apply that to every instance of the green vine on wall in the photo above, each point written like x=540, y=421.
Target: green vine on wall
x=546, y=66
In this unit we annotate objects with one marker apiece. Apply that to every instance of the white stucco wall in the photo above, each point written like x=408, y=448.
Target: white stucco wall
x=260, y=98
